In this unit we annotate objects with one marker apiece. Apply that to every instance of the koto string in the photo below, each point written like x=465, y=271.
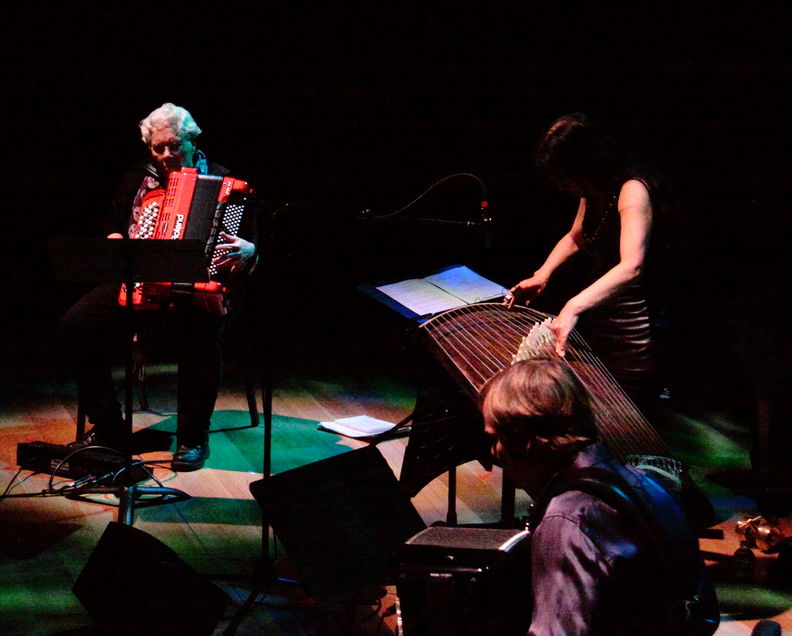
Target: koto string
x=480, y=340
x=605, y=399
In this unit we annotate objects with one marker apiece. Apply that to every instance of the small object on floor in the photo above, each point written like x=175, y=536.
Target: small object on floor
x=357, y=426
x=766, y=628
x=189, y=458
x=744, y=563
x=760, y=533
x=76, y=463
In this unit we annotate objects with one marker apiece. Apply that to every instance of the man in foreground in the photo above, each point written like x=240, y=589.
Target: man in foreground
x=612, y=552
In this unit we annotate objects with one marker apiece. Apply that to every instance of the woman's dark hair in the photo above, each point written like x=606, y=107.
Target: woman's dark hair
x=581, y=156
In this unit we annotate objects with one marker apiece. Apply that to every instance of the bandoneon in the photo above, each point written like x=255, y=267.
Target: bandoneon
x=198, y=207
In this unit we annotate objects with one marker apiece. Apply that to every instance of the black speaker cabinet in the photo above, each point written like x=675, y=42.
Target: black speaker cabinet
x=455, y=580
x=133, y=583
x=341, y=520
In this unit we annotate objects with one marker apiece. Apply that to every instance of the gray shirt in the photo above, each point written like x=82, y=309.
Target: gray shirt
x=586, y=560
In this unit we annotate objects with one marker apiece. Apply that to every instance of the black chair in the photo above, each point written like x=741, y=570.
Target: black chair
x=139, y=382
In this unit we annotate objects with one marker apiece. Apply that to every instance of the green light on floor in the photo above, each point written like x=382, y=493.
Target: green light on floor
x=295, y=442
x=20, y=598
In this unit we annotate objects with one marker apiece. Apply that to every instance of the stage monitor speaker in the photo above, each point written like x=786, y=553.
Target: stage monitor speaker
x=133, y=583
x=465, y=581
x=341, y=521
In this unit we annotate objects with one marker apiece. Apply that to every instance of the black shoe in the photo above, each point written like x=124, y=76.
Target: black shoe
x=98, y=438
x=187, y=458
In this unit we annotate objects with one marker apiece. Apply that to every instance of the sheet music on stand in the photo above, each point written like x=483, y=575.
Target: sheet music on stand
x=448, y=288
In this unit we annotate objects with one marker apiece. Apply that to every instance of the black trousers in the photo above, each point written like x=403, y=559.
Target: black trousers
x=96, y=334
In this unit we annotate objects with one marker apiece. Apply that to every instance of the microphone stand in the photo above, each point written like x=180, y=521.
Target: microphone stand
x=129, y=492
x=264, y=573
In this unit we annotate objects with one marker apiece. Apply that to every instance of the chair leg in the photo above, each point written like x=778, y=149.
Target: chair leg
x=80, y=418
x=140, y=376
x=250, y=391
x=139, y=370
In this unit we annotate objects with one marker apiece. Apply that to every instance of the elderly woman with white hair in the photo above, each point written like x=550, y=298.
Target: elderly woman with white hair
x=171, y=135
x=94, y=329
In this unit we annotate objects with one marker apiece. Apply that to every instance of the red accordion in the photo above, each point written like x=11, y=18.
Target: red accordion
x=194, y=206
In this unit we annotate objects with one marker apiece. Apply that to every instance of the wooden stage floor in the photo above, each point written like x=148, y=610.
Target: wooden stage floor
x=46, y=541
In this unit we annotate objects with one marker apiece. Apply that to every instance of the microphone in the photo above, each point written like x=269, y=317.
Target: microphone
x=485, y=216
x=486, y=221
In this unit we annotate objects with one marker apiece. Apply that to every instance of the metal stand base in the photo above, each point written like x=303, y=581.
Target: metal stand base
x=129, y=497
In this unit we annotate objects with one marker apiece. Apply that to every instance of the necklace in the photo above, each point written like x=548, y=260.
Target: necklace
x=589, y=239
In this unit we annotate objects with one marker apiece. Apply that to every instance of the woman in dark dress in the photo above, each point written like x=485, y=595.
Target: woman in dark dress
x=617, y=202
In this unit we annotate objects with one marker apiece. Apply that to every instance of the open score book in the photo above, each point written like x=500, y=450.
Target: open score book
x=454, y=287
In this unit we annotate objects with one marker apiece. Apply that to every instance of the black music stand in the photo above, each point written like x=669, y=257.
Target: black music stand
x=98, y=260
x=445, y=432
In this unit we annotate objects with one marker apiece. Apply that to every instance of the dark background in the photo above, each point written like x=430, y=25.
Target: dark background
x=339, y=110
